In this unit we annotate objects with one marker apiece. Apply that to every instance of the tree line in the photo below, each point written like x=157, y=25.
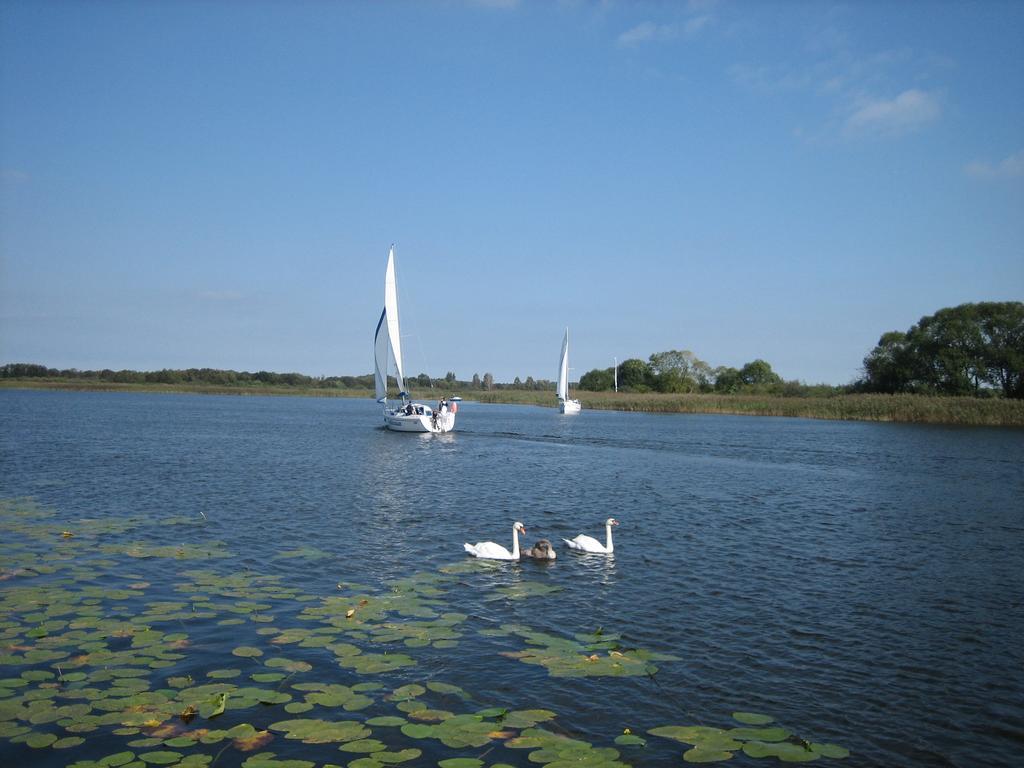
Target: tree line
x=680, y=371
x=228, y=378
x=971, y=349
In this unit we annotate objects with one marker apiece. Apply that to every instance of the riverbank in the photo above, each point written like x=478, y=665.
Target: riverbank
x=915, y=409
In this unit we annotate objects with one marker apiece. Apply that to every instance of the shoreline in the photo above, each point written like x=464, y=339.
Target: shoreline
x=901, y=409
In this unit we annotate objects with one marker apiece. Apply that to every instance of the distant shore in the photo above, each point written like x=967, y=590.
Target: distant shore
x=913, y=409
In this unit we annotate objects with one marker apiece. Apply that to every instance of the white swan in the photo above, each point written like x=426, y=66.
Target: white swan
x=584, y=543
x=491, y=551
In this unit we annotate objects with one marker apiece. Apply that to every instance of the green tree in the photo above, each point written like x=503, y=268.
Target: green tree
x=597, y=380
x=889, y=366
x=488, y=381
x=964, y=350
x=759, y=373
x=1002, y=327
x=727, y=380
x=634, y=375
x=675, y=371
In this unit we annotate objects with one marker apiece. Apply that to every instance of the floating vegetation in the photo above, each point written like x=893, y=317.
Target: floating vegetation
x=99, y=647
x=562, y=657
x=710, y=745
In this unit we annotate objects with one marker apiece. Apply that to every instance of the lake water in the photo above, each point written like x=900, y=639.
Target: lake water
x=861, y=584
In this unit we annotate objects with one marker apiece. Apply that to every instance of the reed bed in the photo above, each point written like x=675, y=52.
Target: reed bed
x=916, y=409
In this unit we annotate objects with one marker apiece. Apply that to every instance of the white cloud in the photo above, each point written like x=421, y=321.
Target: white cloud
x=1008, y=167
x=646, y=32
x=909, y=110
x=770, y=80
x=649, y=32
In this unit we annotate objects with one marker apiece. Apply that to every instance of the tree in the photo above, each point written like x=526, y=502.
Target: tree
x=597, y=380
x=964, y=350
x=635, y=375
x=727, y=380
x=675, y=371
x=449, y=377
x=759, y=373
x=476, y=381
x=889, y=367
x=1002, y=327
x=488, y=381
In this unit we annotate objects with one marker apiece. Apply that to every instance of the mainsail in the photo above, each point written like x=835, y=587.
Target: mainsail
x=387, y=342
x=563, y=369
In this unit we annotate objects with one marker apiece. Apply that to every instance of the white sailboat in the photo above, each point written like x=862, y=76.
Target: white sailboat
x=405, y=416
x=565, y=404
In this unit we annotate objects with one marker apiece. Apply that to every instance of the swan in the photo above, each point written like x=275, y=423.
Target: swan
x=584, y=543
x=542, y=550
x=491, y=551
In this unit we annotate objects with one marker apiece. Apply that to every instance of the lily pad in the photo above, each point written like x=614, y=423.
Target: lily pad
x=752, y=718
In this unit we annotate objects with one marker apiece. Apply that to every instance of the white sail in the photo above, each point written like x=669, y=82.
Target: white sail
x=381, y=356
x=387, y=340
x=563, y=369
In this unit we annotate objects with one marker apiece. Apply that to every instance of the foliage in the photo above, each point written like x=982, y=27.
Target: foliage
x=970, y=349
x=678, y=371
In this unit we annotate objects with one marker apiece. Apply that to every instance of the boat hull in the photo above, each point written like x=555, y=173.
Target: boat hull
x=399, y=421
x=569, y=406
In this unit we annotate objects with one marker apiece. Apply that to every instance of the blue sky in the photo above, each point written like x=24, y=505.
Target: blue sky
x=216, y=184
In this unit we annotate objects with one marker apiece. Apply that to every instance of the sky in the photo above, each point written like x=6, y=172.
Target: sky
x=217, y=184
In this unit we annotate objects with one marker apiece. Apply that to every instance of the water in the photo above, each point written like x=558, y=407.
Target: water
x=859, y=582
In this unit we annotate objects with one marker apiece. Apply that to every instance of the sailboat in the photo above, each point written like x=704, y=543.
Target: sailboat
x=405, y=416
x=565, y=405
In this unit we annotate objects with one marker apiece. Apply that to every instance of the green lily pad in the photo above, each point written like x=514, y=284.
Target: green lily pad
x=363, y=745
x=785, y=751
x=160, y=757
x=704, y=755
x=752, y=718
x=40, y=740
x=247, y=651
x=758, y=734
x=830, y=750
x=321, y=731
x=418, y=730
x=116, y=760
x=630, y=740
x=387, y=720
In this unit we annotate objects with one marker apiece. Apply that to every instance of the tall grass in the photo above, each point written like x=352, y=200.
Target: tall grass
x=918, y=409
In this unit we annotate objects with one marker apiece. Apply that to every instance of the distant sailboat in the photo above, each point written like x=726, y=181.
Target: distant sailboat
x=565, y=405
x=387, y=348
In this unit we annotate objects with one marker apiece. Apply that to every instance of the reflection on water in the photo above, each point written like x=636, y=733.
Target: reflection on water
x=861, y=582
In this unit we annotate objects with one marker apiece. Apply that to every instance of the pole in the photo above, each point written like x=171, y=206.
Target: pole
x=616, y=373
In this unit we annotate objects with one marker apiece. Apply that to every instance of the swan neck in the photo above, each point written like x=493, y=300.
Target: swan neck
x=515, y=543
x=608, y=542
